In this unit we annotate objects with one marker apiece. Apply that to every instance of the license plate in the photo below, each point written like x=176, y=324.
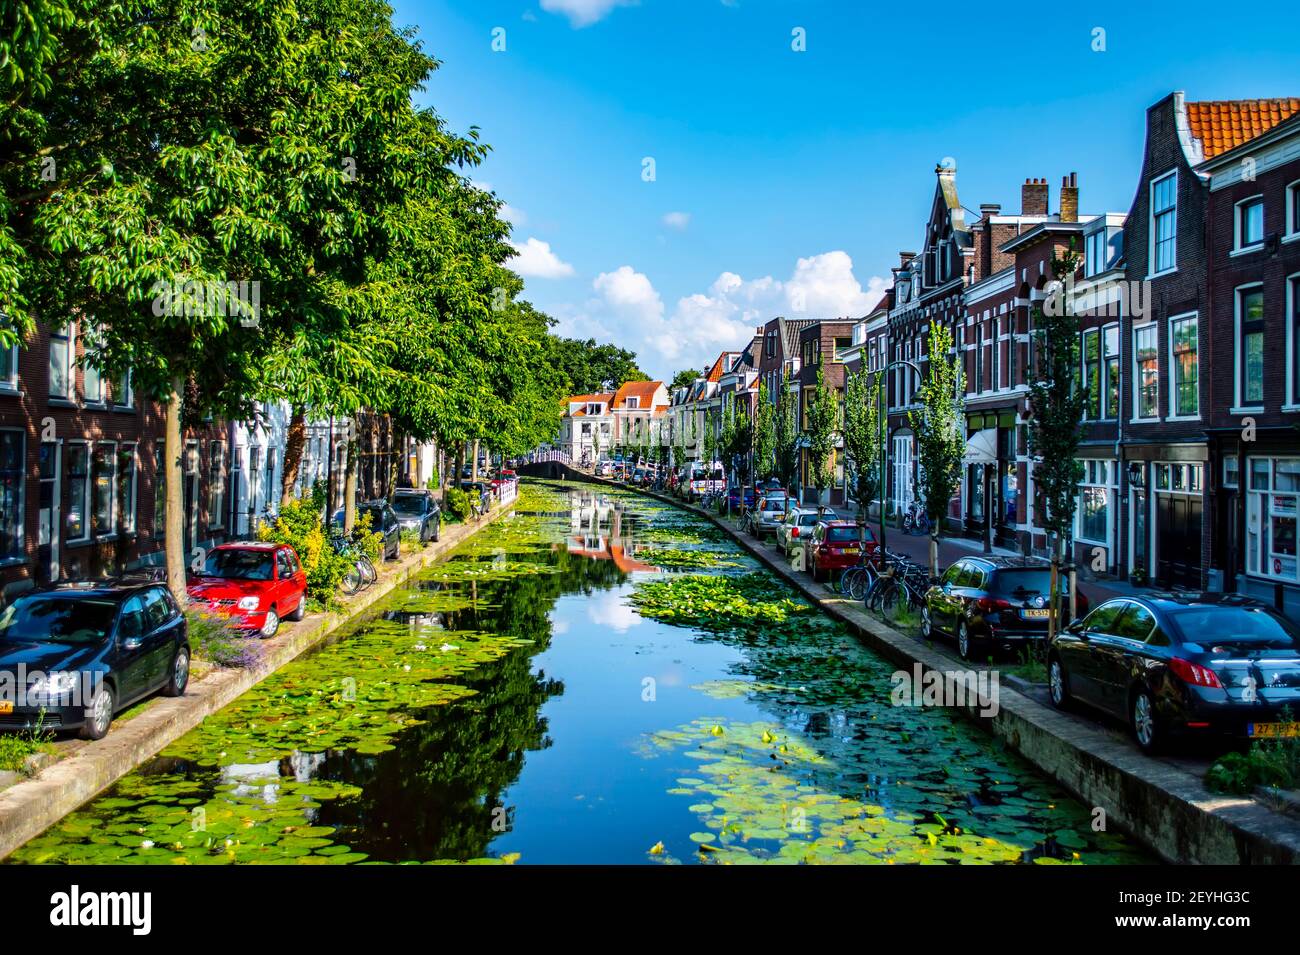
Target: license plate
x=1035, y=614
x=6, y=707
x=1274, y=730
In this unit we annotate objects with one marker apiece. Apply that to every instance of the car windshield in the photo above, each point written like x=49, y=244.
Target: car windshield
x=62, y=618
x=1021, y=581
x=409, y=505
x=808, y=519
x=1236, y=626
x=841, y=534
x=239, y=564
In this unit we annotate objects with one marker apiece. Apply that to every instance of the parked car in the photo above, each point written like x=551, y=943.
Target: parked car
x=991, y=604
x=605, y=469
x=418, y=511
x=383, y=520
x=839, y=545
x=769, y=513
x=1182, y=665
x=254, y=583
x=734, y=497
x=99, y=647
x=797, y=526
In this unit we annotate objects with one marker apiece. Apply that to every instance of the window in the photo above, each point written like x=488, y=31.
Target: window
x=1012, y=347
x=1095, y=253
x=1185, y=400
x=1293, y=333
x=78, y=491
x=122, y=396
x=126, y=476
x=979, y=357
x=1230, y=474
x=61, y=363
x=1110, y=354
x=217, y=484
x=841, y=346
x=159, y=491
x=92, y=380
x=1250, y=346
x=994, y=354
x=1136, y=624
x=1095, y=495
x=1146, y=377
x=105, y=488
x=1091, y=352
x=1250, y=223
x=12, y=484
x=1164, y=223
x=1293, y=209
x=9, y=369
x=1272, y=511
x=1102, y=620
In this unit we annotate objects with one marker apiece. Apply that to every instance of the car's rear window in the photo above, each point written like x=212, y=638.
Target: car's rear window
x=1247, y=626
x=1017, y=580
x=57, y=617
x=842, y=534
x=412, y=505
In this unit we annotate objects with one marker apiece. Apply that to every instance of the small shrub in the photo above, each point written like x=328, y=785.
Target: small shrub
x=455, y=504
x=216, y=640
x=300, y=526
x=370, y=543
x=1269, y=762
x=411, y=539
x=17, y=748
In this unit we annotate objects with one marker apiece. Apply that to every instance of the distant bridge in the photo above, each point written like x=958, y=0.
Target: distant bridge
x=548, y=464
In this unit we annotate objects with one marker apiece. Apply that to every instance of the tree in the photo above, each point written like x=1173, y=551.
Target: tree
x=785, y=442
x=821, y=413
x=590, y=368
x=864, y=437
x=736, y=443
x=764, y=435
x=683, y=379
x=940, y=441
x=1056, y=405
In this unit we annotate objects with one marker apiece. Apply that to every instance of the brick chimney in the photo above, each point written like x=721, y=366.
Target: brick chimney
x=1070, y=197
x=1033, y=197
x=904, y=258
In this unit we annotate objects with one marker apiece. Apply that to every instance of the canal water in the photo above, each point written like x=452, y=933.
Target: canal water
x=598, y=678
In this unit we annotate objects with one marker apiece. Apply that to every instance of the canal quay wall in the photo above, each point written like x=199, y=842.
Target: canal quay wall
x=1163, y=806
x=30, y=807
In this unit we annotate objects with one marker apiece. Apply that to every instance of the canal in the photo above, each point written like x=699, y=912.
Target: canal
x=597, y=678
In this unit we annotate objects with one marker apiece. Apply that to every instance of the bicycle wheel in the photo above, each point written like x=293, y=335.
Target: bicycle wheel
x=860, y=584
x=367, y=569
x=351, y=581
x=890, y=596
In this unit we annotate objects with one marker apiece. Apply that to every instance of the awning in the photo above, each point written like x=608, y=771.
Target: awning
x=982, y=448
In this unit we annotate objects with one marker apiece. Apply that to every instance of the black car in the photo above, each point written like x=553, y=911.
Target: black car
x=73, y=655
x=417, y=510
x=1174, y=665
x=383, y=520
x=993, y=603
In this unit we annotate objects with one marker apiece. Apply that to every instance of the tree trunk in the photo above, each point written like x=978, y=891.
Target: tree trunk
x=474, y=465
x=174, y=525
x=294, y=443
x=1053, y=602
x=934, y=553
x=350, y=486
x=460, y=465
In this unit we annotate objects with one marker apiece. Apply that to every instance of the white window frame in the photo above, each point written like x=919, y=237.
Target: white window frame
x=20, y=522
x=1152, y=271
x=1098, y=473
x=128, y=507
x=1291, y=400
x=100, y=533
x=9, y=384
x=88, y=501
x=1260, y=506
x=217, y=492
x=69, y=334
x=1238, y=402
x=1095, y=247
x=129, y=403
x=1173, y=414
x=1136, y=373
x=1292, y=218
x=1238, y=246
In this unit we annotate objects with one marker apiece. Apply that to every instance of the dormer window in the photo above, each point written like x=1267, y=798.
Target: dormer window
x=632, y=404
x=593, y=409
x=1095, y=258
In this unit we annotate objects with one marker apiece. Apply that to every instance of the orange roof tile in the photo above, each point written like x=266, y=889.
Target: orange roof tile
x=644, y=390
x=1222, y=125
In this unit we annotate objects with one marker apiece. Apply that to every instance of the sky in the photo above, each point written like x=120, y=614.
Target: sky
x=677, y=172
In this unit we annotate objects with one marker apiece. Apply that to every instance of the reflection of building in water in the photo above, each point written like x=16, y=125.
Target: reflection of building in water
x=591, y=513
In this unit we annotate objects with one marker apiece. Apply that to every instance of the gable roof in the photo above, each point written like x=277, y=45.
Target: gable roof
x=1221, y=125
x=643, y=391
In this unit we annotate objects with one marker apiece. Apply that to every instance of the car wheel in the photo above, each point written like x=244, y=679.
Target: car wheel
x=927, y=629
x=1058, y=684
x=180, y=677
x=299, y=611
x=967, y=646
x=437, y=531
x=1142, y=718
x=271, y=625
x=99, y=714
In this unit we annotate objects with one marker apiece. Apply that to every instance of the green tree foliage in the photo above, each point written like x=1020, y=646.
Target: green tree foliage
x=590, y=368
x=939, y=434
x=785, y=443
x=684, y=379
x=764, y=435
x=864, y=435
x=822, y=431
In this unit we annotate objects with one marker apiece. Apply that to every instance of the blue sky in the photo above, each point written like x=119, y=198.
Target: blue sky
x=786, y=182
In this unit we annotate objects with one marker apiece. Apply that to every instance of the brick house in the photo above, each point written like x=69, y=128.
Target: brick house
x=822, y=346
x=1252, y=416
x=81, y=459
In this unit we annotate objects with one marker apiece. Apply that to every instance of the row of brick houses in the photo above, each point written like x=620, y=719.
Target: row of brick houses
x=1188, y=305
x=81, y=460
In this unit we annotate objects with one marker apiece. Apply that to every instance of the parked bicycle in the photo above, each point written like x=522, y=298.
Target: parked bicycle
x=856, y=582
x=361, y=572
x=901, y=582
x=915, y=520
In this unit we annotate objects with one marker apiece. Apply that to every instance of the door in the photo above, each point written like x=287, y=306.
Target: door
x=1119, y=655
x=1082, y=651
x=132, y=657
x=159, y=638
x=49, y=525
x=285, y=588
x=942, y=614
x=191, y=496
x=1178, y=539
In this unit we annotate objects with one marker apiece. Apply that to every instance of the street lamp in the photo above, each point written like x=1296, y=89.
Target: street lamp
x=884, y=444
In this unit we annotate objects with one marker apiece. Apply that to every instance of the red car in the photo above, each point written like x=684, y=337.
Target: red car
x=257, y=584
x=838, y=545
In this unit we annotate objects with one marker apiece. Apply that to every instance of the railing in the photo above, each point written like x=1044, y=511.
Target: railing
x=538, y=457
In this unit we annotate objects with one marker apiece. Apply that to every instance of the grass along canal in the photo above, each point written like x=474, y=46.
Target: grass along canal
x=597, y=678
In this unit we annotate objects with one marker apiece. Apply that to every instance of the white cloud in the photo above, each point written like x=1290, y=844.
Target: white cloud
x=515, y=216
x=677, y=220
x=609, y=610
x=534, y=259
x=582, y=13
x=627, y=310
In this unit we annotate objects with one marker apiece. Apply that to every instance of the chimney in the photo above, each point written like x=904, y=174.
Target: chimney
x=1033, y=197
x=905, y=257
x=989, y=209
x=1070, y=197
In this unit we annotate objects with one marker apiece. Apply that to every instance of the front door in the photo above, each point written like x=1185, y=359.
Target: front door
x=1178, y=539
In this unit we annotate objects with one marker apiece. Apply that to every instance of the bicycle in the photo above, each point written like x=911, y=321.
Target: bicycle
x=915, y=520
x=361, y=572
x=856, y=582
x=902, y=580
